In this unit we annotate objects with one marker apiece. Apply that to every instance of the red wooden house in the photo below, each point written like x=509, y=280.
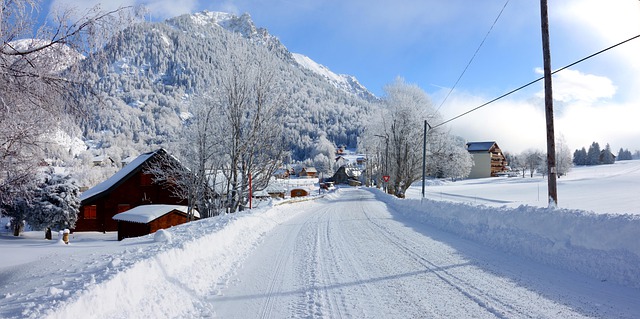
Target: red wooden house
x=130, y=187
x=148, y=219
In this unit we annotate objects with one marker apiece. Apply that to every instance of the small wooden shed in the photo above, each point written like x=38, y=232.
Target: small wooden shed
x=299, y=192
x=147, y=219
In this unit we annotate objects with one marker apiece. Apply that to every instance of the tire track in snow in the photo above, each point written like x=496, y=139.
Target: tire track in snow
x=491, y=304
x=274, y=285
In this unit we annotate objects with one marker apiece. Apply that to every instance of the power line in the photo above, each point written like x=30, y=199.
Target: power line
x=536, y=80
x=474, y=56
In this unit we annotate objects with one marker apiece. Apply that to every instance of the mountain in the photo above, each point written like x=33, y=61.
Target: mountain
x=150, y=73
x=345, y=82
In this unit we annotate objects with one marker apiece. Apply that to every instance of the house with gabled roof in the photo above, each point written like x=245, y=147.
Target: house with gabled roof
x=130, y=187
x=488, y=159
x=147, y=219
x=309, y=172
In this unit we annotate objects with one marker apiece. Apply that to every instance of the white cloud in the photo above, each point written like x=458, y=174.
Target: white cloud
x=169, y=8
x=161, y=9
x=81, y=7
x=573, y=85
x=595, y=25
x=518, y=124
x=606, y=22
x=514, y=125
x=616, y=124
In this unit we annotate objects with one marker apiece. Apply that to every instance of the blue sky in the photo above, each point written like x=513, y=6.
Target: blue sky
x=429, y=43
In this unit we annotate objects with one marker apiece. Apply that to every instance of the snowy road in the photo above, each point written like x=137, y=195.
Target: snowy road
x=348, y=255
x=352, y=258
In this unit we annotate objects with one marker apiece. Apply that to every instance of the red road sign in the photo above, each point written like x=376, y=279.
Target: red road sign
x=385, y=178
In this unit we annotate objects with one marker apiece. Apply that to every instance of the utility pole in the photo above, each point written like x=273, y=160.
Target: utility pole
x=424, y=154
x=386, y=159
x=548, y=103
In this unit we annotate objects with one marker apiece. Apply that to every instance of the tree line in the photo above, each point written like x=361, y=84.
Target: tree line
x=597, y=156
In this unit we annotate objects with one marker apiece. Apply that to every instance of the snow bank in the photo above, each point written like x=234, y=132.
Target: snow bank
x=604, y=246
x=174, y=278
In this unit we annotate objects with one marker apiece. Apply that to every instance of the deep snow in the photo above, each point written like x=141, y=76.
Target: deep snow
x=578, y=263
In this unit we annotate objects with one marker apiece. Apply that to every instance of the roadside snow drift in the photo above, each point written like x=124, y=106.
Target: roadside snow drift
x=604, y=246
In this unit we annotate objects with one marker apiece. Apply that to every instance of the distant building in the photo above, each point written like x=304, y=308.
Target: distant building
x=488, y=159
x=309, y=172
x=347, y=175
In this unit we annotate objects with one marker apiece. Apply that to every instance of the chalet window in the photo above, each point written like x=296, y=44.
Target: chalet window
x=146, y=180
x=123, y=207
x=89, y=212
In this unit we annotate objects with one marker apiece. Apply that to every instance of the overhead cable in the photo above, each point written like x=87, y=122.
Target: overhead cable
x=473, y=57
x=534, y=81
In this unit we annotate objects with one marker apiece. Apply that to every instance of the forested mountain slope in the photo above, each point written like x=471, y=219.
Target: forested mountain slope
x=147, y=77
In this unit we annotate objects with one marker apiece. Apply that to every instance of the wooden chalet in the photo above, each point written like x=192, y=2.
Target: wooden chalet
x=147, y=219
x=130, y=187
x=309, y=172
x=347, y=175
x=488, y=159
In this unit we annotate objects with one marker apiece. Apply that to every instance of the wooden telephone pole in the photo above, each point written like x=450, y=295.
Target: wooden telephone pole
x=548, y=103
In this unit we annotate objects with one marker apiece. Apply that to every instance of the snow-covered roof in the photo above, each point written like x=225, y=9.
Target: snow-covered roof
x=147, y=213
x=275, y=188
x=121, y=175
x=479, y=146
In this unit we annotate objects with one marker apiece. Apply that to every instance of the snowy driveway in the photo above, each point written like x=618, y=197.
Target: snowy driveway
x=352, y=258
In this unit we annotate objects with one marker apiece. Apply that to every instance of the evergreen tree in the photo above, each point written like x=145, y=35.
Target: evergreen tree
x=56, y=203
x=580, y=157
x=624, y=155
x=593, y=155
x=17, y=206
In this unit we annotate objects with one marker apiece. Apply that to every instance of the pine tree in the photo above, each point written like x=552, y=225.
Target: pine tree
x=56, y=203
x=624, y=155
x=580, y=157
x=607, y=156
x=593, y=155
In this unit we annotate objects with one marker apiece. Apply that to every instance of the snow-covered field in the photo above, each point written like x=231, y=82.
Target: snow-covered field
x=357, y=253
x=602, y=189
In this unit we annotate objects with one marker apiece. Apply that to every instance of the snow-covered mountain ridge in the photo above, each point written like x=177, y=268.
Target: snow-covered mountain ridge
x=345, y=82
x=245, y=26
x=150, y=74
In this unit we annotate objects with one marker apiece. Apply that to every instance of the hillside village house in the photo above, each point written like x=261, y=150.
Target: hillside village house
x=128, y=188
x=488, y=159
x=309, y=172
x=347, y=175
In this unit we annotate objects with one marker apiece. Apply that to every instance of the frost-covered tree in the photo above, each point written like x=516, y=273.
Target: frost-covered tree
x=56, y=203
x=38, y=81
x=580, y=157
x=398, y=130
x=249, y=101
x=624, y=155
x=323, y=155
x=17, y=206
x=516, y=162
x=593, y=154
x=448, y=156
x=233, y=134
x=532, y=160
x=564, y=162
